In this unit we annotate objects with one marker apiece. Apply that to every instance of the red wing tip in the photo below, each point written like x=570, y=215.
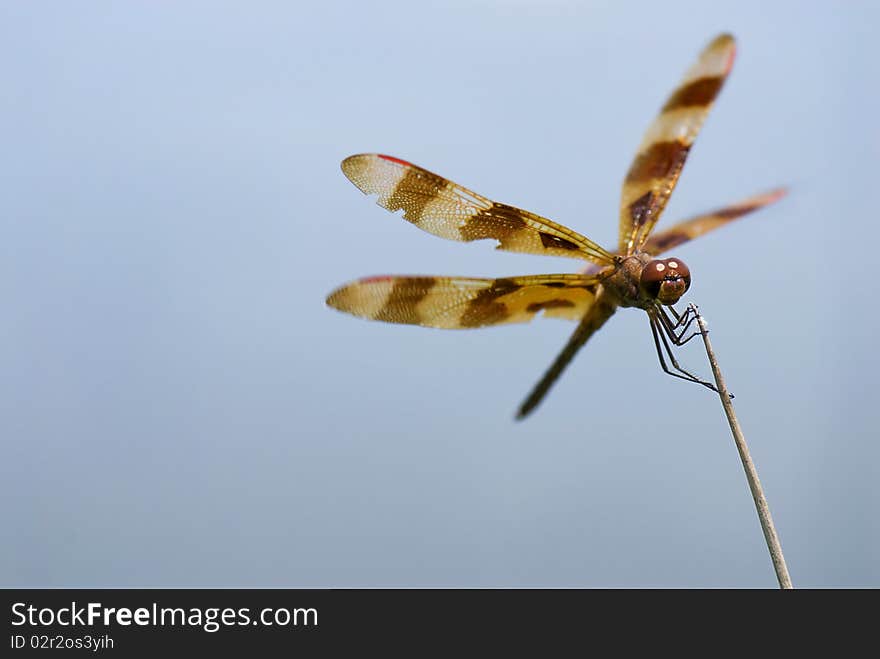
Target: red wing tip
x=772, y=196
x=730, y=58
x=395, y=160
x=724, y=41
x=333, y=299
x=364, y=156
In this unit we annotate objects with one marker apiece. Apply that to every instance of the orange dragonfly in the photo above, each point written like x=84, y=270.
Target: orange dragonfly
x=630, y=276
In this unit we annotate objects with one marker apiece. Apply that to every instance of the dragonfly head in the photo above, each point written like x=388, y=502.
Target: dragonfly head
x=665, y=280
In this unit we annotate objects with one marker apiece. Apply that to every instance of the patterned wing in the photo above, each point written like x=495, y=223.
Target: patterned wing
x=461, y=303
x=450, y=211
x=697, y=226
x=665, y=146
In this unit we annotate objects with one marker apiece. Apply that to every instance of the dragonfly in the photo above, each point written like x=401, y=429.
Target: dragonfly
x=631, y=275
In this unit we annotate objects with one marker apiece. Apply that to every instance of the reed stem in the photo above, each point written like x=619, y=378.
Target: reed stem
x=751, y=473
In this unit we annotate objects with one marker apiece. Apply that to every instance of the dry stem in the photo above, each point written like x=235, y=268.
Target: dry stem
x=751, y=473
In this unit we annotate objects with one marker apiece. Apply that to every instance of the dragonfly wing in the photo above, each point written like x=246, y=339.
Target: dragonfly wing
x=701, y=224
x=463, y=303
x=446, y=209
x=665, y=146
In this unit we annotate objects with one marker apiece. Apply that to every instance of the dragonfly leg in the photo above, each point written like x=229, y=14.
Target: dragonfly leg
x=681, y=319
x=676, y=330
x=659, y=330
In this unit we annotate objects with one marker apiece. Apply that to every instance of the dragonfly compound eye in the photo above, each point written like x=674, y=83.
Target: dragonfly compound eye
x=665, y=280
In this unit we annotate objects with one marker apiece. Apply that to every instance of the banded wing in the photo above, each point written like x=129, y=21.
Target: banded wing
x=666, y=144
x=461, y=303
x=697, y=226
x=450, y=211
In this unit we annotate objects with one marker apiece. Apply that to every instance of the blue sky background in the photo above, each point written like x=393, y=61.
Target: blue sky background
x=179, y=408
